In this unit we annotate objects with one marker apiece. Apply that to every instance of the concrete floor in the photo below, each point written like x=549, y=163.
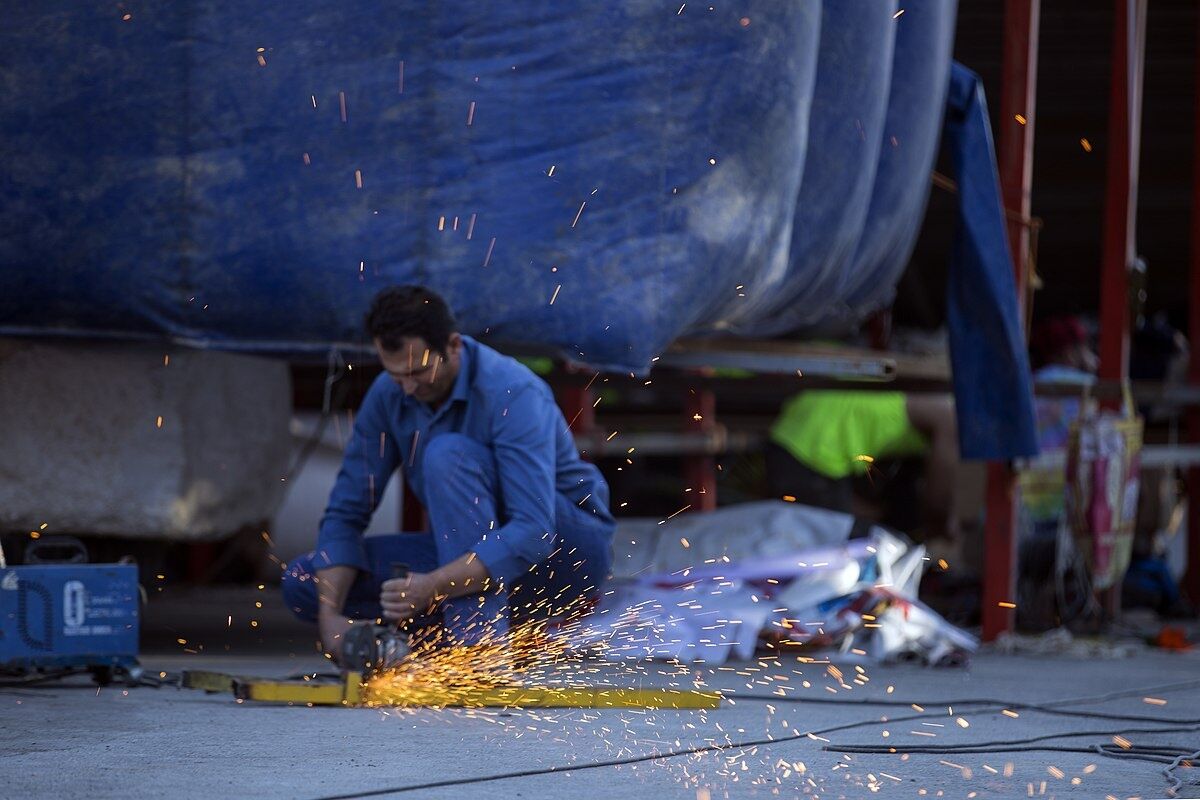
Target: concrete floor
x=74, y=741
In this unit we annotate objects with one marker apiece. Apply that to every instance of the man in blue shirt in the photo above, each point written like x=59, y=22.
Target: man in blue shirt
x=519, y=522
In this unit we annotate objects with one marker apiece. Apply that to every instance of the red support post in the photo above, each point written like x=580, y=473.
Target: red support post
x=1191, y=580
x=1120, y=194
x=700, y=471
x=1018, y=101
x=1120, y=204
x=578, y=406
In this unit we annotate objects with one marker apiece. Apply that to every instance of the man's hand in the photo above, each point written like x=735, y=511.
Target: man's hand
x=404, y=598
x=333, y=629
x=333, y=584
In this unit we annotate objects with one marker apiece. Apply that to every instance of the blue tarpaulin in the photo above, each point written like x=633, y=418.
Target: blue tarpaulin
x=992, y=382
x=598, y=177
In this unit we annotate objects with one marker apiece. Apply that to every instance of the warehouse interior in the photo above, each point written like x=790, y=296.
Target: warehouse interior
x=849, y=350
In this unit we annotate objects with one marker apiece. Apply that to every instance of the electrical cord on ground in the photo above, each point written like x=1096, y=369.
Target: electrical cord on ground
x=616, y=762
x=988, y=747
x=1053, y=707
x=970, y=706
x=1174, y=756
x=708, y=748
x=41, y=678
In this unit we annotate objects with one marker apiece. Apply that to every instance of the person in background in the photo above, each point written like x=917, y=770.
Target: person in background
x=823, y=439
x=1061, y=352
x=1160, y=353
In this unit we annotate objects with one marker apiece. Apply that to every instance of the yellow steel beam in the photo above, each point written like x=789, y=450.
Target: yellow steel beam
x=545, y=697
x=318, y=693
x=351, y=692
x=206, y=680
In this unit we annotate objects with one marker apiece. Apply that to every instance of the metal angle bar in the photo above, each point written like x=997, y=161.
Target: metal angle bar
x=353, y=692
x=547, y=697
x=815, y=366
x=1149, y=456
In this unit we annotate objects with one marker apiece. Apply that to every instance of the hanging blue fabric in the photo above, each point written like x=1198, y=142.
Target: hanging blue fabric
x=992, y=382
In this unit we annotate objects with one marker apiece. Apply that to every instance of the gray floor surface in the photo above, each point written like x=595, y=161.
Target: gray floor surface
x=74, y=741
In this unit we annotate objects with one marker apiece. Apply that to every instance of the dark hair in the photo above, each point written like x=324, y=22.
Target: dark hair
x=400, y=312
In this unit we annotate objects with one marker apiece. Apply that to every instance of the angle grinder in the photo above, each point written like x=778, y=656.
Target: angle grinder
x=370, y=646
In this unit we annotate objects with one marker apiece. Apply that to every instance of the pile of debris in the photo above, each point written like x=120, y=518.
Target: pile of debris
x=720, y=586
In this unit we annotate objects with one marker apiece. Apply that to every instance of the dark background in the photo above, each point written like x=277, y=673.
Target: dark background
x=1068, y=182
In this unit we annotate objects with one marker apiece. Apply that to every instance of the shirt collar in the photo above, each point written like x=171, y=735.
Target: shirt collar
x=462, y=383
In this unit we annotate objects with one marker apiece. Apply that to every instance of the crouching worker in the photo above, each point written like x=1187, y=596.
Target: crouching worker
x=520, y=524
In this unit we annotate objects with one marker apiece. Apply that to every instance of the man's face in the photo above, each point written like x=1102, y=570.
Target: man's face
x=422, y=373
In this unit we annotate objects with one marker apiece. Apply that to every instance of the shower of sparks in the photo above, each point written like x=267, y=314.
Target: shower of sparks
x=538, y=651
x=555, y=295
x=578, y=214
x=487, y=259
x=470, y=113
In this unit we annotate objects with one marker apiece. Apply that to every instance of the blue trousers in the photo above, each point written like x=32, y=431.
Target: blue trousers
x=462, y=500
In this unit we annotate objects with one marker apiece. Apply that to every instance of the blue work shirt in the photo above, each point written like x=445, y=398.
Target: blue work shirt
x=497, y=402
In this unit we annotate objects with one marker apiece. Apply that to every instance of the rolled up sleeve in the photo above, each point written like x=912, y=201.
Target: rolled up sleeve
x=370, y=459
x=524, y=447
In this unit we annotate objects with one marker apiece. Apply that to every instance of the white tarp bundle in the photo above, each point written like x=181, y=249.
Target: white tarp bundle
x=715, y=586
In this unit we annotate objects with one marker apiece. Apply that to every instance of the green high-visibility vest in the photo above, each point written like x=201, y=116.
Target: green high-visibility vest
x=840, y=433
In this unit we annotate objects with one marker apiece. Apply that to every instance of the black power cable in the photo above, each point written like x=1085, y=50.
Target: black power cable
x=969, y=704
x=1173, y=756
x=698, y=749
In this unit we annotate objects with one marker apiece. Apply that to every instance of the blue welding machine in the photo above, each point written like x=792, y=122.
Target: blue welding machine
x=68, y=616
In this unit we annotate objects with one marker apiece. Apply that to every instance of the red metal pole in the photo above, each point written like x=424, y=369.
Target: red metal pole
x=1120, y=204
x=700, y=472
x=1018, y=101
x=1120, y=194
x=1191, y=580
x=578, y=406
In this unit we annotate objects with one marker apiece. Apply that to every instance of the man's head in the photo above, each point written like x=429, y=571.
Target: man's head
x=1063, y=340
x=417, y=340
